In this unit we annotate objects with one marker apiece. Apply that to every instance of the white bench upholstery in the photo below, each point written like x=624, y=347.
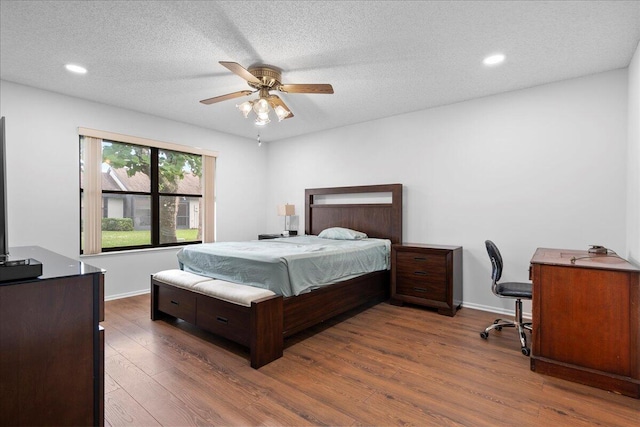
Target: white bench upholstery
x=219, y=289
x=179, y=278
x=232, y=292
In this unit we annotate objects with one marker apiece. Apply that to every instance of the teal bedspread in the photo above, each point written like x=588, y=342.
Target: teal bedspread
x=287, y=266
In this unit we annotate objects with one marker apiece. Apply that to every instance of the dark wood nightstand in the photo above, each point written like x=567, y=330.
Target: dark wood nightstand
x=273, y=236
x=427, y=275
x=269, y=236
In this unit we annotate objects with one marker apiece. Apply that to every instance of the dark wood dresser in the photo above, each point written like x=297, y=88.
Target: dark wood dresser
x=427, y=275
x=586, y=319
x=52, y=346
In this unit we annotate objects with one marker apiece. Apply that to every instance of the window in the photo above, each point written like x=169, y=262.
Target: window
x=137, y=193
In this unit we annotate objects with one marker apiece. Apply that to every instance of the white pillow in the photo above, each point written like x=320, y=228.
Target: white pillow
x=339, y=233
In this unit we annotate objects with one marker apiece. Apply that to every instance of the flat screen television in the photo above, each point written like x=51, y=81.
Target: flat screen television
x=4, y=240
x=11, y=270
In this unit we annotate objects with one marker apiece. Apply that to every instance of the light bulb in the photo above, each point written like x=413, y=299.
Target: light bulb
x=263, y=116
x=281, y=112
x=245, y=108
x=494, y=59
x=261, y=106
x=78, y=69
x=262, y=122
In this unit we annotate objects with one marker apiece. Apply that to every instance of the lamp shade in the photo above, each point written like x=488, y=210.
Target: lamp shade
x=245, y=108
x=286, y=210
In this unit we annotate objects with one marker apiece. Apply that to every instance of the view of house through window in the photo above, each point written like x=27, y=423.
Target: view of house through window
x=150, y=196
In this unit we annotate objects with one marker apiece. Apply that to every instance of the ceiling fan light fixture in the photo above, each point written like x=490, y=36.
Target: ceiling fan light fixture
x=245, y=108
x=281, y=112
x=261, y=106
x=262, y=121
x=263, y=79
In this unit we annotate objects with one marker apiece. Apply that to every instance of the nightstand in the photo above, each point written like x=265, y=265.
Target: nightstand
x=427, y=275
x=273, y=236
x=269, y=236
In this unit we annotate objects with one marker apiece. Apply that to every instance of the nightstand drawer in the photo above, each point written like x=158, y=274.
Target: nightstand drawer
x=425, y=278
x=421, y=265
x=436, y=290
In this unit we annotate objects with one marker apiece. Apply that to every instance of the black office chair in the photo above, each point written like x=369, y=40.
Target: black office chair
x=517, y=290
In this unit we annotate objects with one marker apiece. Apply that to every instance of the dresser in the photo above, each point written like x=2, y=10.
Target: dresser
x=586, y=319
x=52, y=345
x=427, y=275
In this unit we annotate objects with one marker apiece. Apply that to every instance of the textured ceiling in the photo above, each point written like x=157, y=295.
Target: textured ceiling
x=382, y=58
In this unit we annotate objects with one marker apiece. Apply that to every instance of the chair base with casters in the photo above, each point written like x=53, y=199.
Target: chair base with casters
x=515, y=290
x=498, y=324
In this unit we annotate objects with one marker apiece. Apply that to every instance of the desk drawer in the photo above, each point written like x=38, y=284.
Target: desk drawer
x=177, y=302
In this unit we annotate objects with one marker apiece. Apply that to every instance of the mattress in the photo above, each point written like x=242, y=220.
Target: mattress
x=287, y=266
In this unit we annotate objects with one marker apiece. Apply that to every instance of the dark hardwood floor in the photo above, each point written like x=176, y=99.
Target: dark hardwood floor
x=385, y=365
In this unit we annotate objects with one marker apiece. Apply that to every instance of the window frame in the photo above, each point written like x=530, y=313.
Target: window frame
x=88, y=246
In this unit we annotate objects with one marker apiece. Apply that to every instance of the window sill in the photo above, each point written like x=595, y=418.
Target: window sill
x=132, y=251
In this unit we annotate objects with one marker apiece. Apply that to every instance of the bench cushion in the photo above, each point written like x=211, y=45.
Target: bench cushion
x=232, y=292
x=179, y=278
x=219, y=289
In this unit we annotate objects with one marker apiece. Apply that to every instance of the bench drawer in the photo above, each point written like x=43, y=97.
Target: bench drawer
x=223, y=318
x=177, y=302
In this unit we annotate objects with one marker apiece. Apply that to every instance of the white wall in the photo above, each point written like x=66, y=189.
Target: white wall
x=633, y=181
x=541, y=167
x=42, y=178
x=545, y=166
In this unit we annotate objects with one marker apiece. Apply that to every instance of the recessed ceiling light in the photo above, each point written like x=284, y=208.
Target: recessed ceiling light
x=76, y=69
x=493, y=59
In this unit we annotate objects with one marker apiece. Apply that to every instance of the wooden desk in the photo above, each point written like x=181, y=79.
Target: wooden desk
x=586, y=316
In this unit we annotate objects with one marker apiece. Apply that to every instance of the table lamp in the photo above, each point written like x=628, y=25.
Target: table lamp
x=286, y=211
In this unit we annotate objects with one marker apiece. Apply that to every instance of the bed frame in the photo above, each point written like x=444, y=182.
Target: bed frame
x=263, y=326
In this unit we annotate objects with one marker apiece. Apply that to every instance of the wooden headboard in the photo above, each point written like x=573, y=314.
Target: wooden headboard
x=378, y=220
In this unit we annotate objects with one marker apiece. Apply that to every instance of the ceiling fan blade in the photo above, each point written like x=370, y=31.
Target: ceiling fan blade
x=307, y=88
x=234, y=67
x=275, y=101
x=227, y=96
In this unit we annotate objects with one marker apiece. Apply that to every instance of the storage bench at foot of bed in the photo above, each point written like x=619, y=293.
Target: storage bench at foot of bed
x=249, y=316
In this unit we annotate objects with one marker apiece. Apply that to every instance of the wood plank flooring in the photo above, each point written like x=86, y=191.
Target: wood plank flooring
x=381, y=366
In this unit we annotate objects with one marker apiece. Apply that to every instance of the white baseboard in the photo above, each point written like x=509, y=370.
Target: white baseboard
x=126, y=295
x=491, y=309
x=488, y=308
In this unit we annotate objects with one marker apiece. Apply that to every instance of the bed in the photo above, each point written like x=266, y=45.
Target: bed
x=263, y=325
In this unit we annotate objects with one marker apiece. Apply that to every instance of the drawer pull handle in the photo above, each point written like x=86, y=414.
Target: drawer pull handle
x=419, y=289
x=420, y=273
x=420, y=258
x=222, y=319
x=175, y=302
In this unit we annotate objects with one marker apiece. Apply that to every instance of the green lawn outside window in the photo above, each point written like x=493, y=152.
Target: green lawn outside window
x=112, y=239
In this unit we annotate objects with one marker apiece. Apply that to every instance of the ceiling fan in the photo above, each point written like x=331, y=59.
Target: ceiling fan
x=262, y=79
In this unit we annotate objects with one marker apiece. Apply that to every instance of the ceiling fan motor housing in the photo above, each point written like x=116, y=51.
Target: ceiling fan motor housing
x=268, y=77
